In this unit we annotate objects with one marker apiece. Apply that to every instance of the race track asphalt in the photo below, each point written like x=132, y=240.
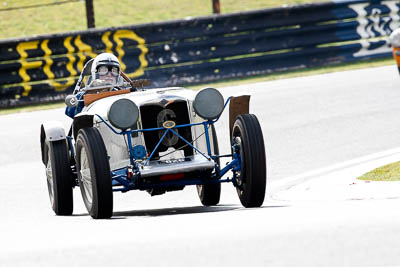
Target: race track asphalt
x=308, y=123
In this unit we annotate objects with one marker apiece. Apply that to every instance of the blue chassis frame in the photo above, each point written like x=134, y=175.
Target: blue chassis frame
x=120, y=176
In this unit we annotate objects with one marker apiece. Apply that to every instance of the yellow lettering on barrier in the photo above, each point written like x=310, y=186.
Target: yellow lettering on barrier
x=49, y=62
x=47, y=59
x=83, y=50
x=120, y=34
x=71, y=58
x=106, y=40
x=26, y=65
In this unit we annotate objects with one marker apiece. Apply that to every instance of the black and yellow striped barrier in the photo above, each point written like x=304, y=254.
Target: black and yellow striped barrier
x=45, y=68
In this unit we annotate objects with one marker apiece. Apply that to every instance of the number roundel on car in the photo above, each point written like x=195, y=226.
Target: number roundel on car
x=208, y=103
x=123, y=114
x=169, y=124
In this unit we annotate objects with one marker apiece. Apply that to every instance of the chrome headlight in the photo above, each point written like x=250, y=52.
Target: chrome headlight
x=208, y=103
x=123, y=114
x=395, y=38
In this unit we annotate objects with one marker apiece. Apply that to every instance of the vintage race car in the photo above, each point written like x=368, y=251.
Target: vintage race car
x=157, y=140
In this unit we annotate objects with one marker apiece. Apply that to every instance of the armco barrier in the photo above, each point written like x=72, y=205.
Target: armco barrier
x=45, y=68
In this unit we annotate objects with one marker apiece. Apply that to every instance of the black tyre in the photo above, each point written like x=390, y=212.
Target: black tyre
x=209, y=194
x=94, y=173
x=252, y=178
x=59, y=181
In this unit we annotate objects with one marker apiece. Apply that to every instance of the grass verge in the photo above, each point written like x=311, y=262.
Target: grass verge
x=390, y=172
x=300, y=72
x=246, y=80
x=32, y=108
x=72, y=16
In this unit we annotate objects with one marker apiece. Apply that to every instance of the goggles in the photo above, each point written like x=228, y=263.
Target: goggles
x=103, y=70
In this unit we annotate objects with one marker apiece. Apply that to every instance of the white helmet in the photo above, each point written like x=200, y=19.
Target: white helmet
x=106, y=67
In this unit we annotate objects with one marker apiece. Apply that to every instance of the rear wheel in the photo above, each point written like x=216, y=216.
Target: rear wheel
x=209, y=194
x=248, y=141
x=59, y=181
x=94, y=173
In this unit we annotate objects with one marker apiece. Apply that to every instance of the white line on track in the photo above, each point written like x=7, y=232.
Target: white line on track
x=368, y=162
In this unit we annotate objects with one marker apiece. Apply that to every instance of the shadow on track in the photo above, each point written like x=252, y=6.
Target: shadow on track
x=179, y=211
x=182, y=211
x=168, y=211
x=175, y=211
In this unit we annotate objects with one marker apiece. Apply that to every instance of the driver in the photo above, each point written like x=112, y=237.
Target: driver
x=105, y=71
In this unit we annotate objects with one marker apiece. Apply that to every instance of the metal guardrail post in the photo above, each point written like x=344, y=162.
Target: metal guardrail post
x=90, y=14
x=216, y=7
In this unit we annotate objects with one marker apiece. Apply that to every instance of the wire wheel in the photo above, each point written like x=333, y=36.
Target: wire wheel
x=94, y=173
x=86, y=179
x=210, y=194
x=59, y=180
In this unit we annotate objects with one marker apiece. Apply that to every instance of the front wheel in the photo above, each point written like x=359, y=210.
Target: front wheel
x=94, y=173
x=59, y=181
x=248, y=143
x=209, y=194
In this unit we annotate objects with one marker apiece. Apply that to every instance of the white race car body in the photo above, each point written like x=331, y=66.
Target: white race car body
x=178, y=102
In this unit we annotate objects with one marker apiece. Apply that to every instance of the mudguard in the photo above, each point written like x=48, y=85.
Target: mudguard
x=238, y=105
x=50, y=131
x=81, y=121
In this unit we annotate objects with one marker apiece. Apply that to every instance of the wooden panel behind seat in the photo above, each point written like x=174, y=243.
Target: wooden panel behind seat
x=90, y=98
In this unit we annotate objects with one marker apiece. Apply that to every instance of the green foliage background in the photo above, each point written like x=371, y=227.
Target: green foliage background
x=72, y=16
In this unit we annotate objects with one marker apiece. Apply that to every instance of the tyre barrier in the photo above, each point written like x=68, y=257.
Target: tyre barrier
x=198, y=50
